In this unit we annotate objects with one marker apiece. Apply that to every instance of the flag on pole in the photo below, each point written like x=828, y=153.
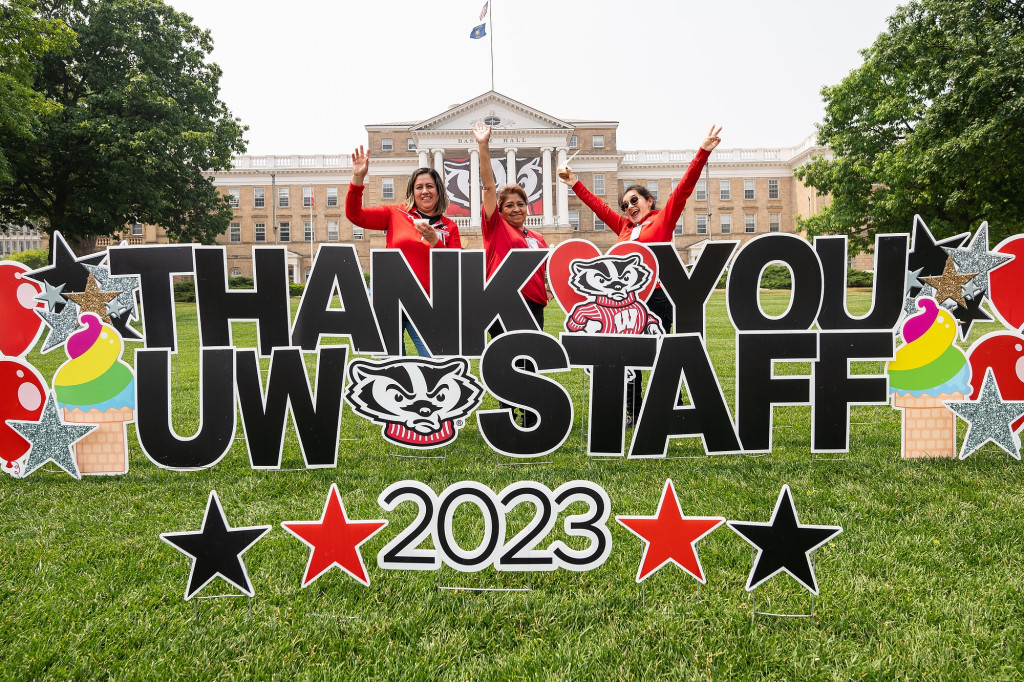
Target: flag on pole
x=312, y=198
x=483, y=12
x=479, y=32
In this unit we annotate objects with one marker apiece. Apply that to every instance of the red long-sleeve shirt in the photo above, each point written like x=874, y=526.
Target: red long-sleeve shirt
x=500, y=238
x=656, y=226
x=400, y=233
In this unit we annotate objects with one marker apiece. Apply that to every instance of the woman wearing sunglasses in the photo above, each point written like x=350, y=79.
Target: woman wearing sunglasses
x=642, y=221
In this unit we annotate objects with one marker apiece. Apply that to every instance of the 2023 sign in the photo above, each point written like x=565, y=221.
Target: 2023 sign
x=519, y=553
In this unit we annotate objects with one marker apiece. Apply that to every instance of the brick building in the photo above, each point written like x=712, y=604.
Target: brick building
x=299, y=200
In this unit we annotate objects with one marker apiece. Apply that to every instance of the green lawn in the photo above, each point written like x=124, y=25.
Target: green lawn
x=924, y=582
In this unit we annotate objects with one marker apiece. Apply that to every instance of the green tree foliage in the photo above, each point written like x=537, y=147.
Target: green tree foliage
x=931, y=123
x=24, y=38
x=135, y=120
x=33, y=258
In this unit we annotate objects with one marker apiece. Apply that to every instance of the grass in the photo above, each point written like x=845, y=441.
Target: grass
x=924, y=582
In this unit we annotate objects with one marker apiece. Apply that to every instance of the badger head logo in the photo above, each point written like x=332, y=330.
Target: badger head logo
x=416, y=400
x=612, y=277
x=611, y=285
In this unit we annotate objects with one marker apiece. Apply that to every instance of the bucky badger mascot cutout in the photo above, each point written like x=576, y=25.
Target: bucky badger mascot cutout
x=611, y=284
x=419, y=402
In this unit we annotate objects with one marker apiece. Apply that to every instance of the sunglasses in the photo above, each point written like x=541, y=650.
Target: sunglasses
x=633, y=200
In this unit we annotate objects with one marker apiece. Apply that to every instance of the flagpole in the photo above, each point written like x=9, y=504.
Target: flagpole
x=491, y=18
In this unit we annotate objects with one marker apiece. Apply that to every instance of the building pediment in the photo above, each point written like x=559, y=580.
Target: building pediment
x=504, y=113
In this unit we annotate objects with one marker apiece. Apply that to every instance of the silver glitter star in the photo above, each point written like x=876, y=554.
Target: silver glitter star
x=971, y=291
x=913, y=279
x=62, y=325
x=125, y=285
x=51, y=295
x=976, y=257
x=989, y=418
x=51, y=439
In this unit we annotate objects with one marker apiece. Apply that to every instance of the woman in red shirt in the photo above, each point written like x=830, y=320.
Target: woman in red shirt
x=414, y=228
x=642, y=221
x=504, y=228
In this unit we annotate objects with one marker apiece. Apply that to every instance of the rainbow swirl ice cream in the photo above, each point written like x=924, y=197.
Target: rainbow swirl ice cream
x=929, y=363
x=95, y=378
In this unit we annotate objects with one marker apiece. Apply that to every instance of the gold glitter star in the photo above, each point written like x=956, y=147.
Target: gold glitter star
x=949, y=284
x=92, y=300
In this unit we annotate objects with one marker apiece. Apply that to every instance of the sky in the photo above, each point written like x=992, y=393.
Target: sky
x=308, y=75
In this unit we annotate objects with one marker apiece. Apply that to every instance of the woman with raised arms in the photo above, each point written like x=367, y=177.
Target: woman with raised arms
x=504, y=228
x=414, y=228
x=642, y=221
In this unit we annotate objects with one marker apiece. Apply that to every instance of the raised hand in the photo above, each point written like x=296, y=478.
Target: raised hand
x=566, y=175
x=360, y=164
x=712, y=140
x=482, y=132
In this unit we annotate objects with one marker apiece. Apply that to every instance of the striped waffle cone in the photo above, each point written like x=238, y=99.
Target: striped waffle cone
x=105, y=449
x=929, y=427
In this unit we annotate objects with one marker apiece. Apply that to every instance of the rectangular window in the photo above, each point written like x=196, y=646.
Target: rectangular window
x=599, y=225
x=284, y=232
x=574, y=219
x=307, y=231
x=332, y=196
x=357, y=233
x=574, y=142
x=233, y=194
x=652, y=187
x=725, y=222
x=750, y=222
x=774, y=222
x=386, y=144
x=259, y=198
x=700, y=193
x=332, y=230
x=260, y=231
x=236, y=233
x=137, y=230
x=748, y=189
x=387, y=188
x=773, y=189
x=679, y=226
x=702, y=224
x=283, y=197
x=307, y=197
x=410, y=144
x=725, y=190
x=598, y=141
x=599, y=183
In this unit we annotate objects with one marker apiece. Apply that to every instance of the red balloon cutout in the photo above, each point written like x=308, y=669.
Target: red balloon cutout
x=1004, y=284
x=1004, y=353
x=22, y=395
x=21, y=325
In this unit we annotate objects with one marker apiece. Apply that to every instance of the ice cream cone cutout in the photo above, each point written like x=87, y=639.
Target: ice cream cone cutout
x=95, y=387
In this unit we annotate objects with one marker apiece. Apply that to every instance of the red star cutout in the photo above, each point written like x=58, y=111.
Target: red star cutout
x=335, y=540
x=670, y=536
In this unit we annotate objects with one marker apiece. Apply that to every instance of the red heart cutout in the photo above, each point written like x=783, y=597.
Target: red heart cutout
x=1004, y=284
x=580, y=249
x=21, y=325
x=1004, y=353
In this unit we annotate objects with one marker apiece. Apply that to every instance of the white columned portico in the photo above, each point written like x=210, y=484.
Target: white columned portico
x=545, y=189
x=474, y=188
x=424, y=158
x=439, y=161
x=563, y=192
x=510, y=165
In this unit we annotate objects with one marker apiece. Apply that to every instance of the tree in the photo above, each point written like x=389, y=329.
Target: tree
x=24, y=38
x=932, y=123
x=135, y=122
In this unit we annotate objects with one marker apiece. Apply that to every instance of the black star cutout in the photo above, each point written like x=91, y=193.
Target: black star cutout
x=66, y=269
x=966, y=315
x=928, y=257
x=216, y=550
x=784, y=544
